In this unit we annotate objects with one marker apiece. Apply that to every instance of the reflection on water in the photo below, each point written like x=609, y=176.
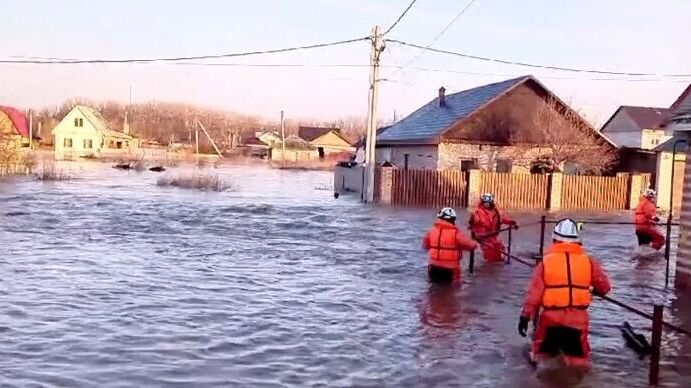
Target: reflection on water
x=109, y=280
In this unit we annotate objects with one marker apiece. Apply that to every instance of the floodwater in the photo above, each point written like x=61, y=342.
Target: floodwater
x=111, y=281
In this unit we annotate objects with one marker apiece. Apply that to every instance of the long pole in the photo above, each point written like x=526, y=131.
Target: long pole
x=653, y=377
x=283, y=138
x=371, y=146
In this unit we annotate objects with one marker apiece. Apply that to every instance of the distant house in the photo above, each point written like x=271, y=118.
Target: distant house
x=296, y=150
x=268, y=138
x=474, y=129
x=637, y=131
x=256, y=147
x=14, y=124
x=83, y=132
x=325, y=140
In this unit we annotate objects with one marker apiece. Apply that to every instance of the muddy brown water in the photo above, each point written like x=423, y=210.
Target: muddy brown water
x=111, y=281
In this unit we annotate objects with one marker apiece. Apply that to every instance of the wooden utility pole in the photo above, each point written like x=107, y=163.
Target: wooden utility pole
x=31, y=129
x=196, y=138
x=371, y=145
x=199, y=123
x=283, y=138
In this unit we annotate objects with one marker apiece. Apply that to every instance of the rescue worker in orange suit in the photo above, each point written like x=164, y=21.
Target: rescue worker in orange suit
x=561, y=286
x=445, y=244
x=485, y=223
x=646, y=219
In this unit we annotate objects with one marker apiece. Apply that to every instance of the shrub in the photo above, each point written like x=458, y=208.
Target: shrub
x=198, y=181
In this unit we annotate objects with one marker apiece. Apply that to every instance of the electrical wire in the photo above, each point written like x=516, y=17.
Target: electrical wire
x=178, y=59
x=531, y=65
x=400, y=17
x=439, y=35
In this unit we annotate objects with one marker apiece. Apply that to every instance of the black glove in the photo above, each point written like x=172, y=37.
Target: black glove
x=523, y=325
x=656, y=219
x=598, y=294
x=514, y=225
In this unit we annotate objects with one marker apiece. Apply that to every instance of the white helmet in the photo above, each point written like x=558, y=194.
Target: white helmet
x=650, y=193
x=447, y=214
x=567, y=230
x=487, y=198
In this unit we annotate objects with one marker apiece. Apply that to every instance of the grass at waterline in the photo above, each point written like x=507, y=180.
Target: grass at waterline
x=197, y=181
x=50, y=173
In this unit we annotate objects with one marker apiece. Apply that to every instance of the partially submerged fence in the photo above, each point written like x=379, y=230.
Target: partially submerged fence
x=595, y=192
x=429, y=188
x=517, y=191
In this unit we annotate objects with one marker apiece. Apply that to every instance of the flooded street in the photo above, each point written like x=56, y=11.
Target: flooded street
x=111, y=281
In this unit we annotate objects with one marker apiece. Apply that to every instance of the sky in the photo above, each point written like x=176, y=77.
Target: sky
x=613, y=35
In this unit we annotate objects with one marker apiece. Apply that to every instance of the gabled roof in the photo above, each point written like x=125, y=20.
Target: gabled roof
x=312, y=133
x=668, y=146
x=18, y=119
x=643, y=116
x=99, y=123
x=681, y=108
x=428, y=123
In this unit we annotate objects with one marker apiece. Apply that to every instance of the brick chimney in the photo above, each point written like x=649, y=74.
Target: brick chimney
x=442, y=96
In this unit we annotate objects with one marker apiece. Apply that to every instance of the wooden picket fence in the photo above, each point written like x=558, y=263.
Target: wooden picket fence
x=517, y=191
x=594, y=192
x=429, y=188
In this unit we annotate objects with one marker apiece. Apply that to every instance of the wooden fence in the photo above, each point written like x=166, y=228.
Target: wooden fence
x=423, y=188
x=516, y=191
x=429, y=188
x=595, y=192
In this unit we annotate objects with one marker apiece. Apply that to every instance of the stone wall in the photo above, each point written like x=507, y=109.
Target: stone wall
x=451, y=155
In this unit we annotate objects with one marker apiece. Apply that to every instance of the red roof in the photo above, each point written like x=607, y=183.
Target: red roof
x=18, y=119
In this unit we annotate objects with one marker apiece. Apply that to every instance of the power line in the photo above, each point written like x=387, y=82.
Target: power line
x=400, y=17
x=178, y=59
x=559, y=68
x=439, y=35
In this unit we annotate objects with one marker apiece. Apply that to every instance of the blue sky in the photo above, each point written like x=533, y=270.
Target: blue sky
x=618, y=35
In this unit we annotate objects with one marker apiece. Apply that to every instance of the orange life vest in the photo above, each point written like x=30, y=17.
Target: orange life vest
x=444, y=250
x=567, y=277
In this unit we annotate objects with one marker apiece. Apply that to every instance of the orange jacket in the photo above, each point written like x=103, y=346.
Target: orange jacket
x=645, y=213
x=537, y=288
x=484, y=221
x=445, y=244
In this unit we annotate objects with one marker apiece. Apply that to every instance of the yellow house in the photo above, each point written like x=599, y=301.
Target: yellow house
x=326, y=140
x=83, y=132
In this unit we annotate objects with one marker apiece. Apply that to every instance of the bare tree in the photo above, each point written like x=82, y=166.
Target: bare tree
x=564, y=136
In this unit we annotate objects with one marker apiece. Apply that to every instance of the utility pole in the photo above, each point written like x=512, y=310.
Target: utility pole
x=196, y=138
x=283, y=138
x=31, y=129
x=371, y=145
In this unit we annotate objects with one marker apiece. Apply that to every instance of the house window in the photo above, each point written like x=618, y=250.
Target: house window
x=406, y=157
x=88, y=143
x=118, y=145
x=78, y=122
x=504, y=165
x=320, y=150
x=67, y=142
x=468, y=164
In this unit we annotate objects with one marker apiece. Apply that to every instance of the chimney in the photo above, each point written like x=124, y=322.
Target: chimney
x=442, y=97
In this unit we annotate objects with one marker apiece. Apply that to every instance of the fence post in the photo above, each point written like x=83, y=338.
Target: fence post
x=474, y=186
x=471, y=258
x=543, y=219
x=555, y=188
x=668, y=240
x=508, y=257
x=653, y=377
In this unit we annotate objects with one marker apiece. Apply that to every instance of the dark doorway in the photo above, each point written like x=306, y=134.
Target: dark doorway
x=405, y=161
x=468, y=164
x=321, y=152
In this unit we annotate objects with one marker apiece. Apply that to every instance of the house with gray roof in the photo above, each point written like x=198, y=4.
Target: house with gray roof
x=479, y=128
